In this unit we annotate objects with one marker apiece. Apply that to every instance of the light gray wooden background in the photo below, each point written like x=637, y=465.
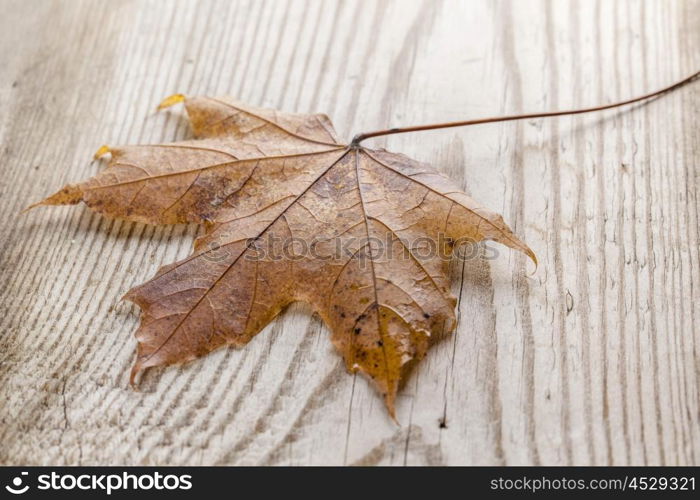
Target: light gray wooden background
x=593, y=359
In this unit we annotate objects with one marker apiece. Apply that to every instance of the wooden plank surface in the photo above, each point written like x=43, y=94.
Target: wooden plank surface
x=593, y=359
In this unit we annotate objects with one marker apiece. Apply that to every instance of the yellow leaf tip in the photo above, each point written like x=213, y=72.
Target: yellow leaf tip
x=104, y=149
x=171, y=101
x=69, y=195
x=533, y=258
x=132, y=377
x=33, y=205
x=389, y=399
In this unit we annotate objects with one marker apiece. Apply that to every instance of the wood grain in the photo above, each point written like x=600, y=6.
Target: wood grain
x=593, y=359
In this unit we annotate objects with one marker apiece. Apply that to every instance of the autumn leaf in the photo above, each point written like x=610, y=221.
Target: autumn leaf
x=292, y=214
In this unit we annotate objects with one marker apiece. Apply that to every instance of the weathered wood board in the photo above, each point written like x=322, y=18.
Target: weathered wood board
x=593, y=359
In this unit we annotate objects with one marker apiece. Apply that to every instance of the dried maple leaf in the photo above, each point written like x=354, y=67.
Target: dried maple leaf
x=265, y=182
x=292, y=214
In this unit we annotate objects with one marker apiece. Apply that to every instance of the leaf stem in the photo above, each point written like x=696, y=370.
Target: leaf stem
x=361, y=137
